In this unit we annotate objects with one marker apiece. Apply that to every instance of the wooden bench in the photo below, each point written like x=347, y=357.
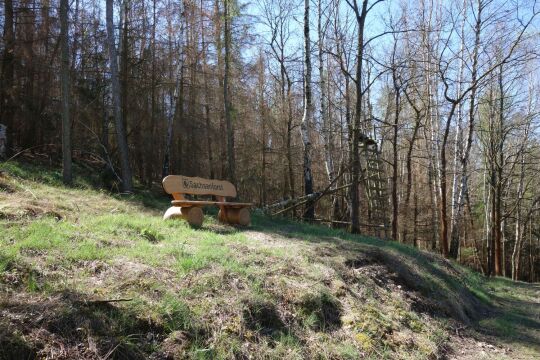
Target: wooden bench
x=191, y=210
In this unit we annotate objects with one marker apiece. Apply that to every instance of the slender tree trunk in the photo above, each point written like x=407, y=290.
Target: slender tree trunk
x=175, y=104
x=149, y=164
x=520, y=227
x=327, y=131
x=325, y=115
x=487, y=219
x=434, y=201
x=308, y=115
x=443, y=217
x=290, y=164
x=458, y=141
x=516, y=253
x=231, y=166
x=458, y=138
x=75, y=49
x=206, y=97
x=355, y=146
x=408, y=190
x=491, y=223
x=456, y=219
x=397, y=109
x=105, y=129
x=7, y=107
x=127, y=184
x=262, y=114
x=415, y=220
x=67, y=174
x=499, y=174
x=123, y=58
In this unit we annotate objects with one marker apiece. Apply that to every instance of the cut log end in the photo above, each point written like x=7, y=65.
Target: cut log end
x=244, y=217
x=193, y=215
x=240, y=216
x=173, y=213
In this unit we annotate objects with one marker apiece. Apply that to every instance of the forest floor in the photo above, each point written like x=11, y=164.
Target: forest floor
x=89, y=275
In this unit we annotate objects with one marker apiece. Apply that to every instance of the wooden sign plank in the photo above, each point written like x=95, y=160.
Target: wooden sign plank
x=197, y=186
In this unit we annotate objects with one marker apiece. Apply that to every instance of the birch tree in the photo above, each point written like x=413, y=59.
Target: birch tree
x=307, y=118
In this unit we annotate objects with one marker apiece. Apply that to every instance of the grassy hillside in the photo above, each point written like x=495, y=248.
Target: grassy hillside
x=87, y=274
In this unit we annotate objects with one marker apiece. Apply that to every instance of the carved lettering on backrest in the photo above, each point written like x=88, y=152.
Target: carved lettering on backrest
x=198, y=186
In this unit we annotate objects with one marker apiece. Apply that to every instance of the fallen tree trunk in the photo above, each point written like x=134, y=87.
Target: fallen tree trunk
x=303, y=199
x=294, y=203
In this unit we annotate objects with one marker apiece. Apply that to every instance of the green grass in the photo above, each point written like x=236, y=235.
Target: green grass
x=278, y=289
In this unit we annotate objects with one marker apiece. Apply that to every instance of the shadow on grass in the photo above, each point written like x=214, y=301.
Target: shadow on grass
x=66, y=324
x=513, y=318
x=14, y=347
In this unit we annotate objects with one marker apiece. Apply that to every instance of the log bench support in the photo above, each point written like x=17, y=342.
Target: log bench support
x=193, y=215
x=238, y=216
x=191, y=210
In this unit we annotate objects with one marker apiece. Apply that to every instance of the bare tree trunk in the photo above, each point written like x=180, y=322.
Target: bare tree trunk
x=499, y=165
x=415, y=219
x=458, y=212
x=516, y=253
x=175, y=101
x=397, y=108
x=308, y=116
x=67, y=174
x=520, y=227
x=123, y=56
x=443, y=215
x=149, y=165
x=433, y=202
x=356, y=135
x=262, y=114
x=127, y=184
x=458, y=143
x=408, y=190
x=325, y=116
x=487, y=220
x=432, y=119
x=7, y=108
x=105, y=129
x=206, y=98
x=327, y=131
x=231, y=166
x=290, y=164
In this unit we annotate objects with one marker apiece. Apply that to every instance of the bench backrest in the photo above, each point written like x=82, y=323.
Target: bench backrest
x=178, y=184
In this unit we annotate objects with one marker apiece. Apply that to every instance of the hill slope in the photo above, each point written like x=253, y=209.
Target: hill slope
x=84, y=274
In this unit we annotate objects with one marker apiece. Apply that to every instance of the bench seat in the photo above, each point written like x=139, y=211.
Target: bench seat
x=191, y=210
x=186, y=203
